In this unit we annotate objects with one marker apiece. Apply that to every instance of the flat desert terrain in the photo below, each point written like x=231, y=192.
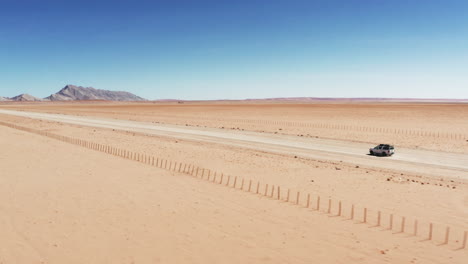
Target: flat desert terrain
x=233, y=182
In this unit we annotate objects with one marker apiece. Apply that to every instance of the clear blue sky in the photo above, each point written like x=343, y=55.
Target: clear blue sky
x=237, y=49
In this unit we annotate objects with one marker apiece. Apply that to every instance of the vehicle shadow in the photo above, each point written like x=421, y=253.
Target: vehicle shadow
x=378, y=156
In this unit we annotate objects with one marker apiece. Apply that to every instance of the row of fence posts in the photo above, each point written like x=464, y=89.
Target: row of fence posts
x=386, y=130
x=275, y=192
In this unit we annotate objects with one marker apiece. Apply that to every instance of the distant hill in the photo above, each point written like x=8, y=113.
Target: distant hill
x=74, y=93
x=4, y=99
x=357, y=100
x=25, y=98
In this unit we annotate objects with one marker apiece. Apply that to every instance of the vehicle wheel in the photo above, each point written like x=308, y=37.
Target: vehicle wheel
x=372, y=153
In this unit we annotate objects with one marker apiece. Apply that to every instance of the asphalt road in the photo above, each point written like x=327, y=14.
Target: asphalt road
x=440, y=164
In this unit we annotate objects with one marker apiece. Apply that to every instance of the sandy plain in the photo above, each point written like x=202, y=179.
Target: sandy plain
x=62, y=203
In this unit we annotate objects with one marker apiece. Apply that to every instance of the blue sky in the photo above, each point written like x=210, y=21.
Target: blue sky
x=237, y=49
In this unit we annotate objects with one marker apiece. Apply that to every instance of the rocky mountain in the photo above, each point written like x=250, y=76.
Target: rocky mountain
x=25, y=98
x=72, y=93
x=4, y=99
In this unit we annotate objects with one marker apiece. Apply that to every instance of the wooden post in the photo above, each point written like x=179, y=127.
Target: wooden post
x=229, y=178
x=379, y=215
x=465, y=239
x=222, y=176
x=287, y=196
x=403, y=220
x=235, y=181
x=329, y=206
x=242, y=184
x=339, y=208
x=180, y=166
x=391, y=222
x=447, y=233
x=250, y=185
x=214, y=178
x=318, y=203
x=297, y=197
x=415, y=233
x=185, y=167
x=202, y=173
x=272, y=191
x=308, y=201
x=352, y=211
x=196, y=173
x=258, y=186
x=266, y=190
x=278, y=193
x=430, y=231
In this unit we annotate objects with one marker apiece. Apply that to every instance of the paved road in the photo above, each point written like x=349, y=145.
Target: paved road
x=406, y=160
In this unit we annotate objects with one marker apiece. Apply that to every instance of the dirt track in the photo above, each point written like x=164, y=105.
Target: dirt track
x=440, y=164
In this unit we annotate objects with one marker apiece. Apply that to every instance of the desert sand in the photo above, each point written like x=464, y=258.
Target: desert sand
x=65, y=203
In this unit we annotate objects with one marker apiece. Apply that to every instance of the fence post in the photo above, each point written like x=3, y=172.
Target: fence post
x=339, y=208
x=365, y=215
x=352, y=212
x=329, y=205
x=391, y=222
x=415, y=233
x=403, y=220
x=235, y=181
x=250, y=185
x=465, y=238
x=297, y=197
x=266, y=190
x=278, y=194
x=430, y=231
x=222, y=176
x=447, y=233
x=287, y=196
x=318, y=203
x=308, y=200
x=229, y=179
x=272, y=191
x=242, y=184
x=379, y=215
